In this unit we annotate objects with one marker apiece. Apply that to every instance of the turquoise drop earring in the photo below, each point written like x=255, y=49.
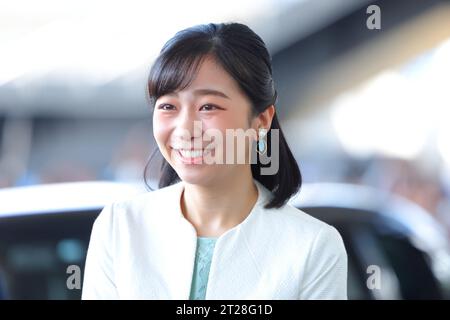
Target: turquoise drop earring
x=262, y=142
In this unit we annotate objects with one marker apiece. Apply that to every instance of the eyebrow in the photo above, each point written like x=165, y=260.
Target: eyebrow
x=203, y=92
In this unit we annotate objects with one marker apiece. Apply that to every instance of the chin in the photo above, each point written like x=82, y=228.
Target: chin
x=198, y=177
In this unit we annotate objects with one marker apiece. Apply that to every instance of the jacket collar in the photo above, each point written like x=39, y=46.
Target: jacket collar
x=264, y=196
x=234, y=250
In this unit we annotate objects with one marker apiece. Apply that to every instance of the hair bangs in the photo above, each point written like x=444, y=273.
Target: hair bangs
x=172, y=74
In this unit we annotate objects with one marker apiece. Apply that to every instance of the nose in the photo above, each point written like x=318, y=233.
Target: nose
x=188, y=127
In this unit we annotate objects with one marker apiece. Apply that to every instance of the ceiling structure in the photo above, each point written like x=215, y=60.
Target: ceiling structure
x=91, y=58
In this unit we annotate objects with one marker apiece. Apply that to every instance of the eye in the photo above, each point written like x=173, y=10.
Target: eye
x=209, y=107
x=166, y=107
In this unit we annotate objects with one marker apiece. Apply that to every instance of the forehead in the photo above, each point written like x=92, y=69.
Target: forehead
x=211, y=75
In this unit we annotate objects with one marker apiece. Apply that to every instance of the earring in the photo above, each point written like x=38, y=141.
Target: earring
x=262, y=142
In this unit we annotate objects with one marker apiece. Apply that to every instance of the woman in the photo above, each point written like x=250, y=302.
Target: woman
x=217, y=228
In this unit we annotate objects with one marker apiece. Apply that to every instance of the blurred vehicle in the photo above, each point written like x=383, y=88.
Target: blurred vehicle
x=44, y=229
x=383, y=233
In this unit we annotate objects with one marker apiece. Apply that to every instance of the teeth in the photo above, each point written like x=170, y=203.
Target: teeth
x=191, y=153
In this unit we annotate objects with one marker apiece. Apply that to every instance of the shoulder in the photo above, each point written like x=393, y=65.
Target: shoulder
x=300, y=228
x=163, y=196
x=297, y=221
x=166, y=195
x=157, y=203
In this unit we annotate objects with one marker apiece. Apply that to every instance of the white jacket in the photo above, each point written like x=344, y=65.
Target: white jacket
x=144, y=248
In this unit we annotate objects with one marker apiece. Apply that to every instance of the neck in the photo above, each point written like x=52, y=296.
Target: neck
x=212, y=210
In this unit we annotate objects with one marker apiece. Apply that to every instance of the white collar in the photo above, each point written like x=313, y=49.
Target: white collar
x=264, y=196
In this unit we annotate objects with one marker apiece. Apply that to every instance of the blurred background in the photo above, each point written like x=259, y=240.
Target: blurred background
x=360, y=107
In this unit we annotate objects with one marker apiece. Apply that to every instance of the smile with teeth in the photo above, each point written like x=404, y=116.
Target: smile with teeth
x=192, y=154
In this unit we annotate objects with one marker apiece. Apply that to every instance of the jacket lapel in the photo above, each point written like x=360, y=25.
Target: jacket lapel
x=234, y=273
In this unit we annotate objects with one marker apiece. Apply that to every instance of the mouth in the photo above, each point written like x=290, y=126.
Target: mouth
x=193, y=156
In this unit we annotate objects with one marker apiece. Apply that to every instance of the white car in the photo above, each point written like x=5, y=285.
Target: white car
x=45, y=230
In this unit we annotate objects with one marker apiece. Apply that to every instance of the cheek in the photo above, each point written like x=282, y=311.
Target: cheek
x=227, y=121
x=161, y=129
x=238, y=148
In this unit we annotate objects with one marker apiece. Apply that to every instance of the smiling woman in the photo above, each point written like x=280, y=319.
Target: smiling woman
x=227, y=68
x=215, y=230
x=220, y=107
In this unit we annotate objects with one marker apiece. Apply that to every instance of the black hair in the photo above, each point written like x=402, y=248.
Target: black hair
x=243, y=54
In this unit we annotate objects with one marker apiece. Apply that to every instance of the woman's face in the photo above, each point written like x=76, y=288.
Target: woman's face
x=196, y=118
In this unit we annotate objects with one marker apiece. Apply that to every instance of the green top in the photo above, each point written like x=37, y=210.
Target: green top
x=203, y=256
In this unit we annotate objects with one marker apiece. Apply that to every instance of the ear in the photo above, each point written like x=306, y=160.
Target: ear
x=264, y=120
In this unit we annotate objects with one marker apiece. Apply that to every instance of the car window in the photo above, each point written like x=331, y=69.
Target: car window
x=411, y=266
x=36, y=250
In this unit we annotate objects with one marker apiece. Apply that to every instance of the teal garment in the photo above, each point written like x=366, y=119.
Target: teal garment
x=203, y=256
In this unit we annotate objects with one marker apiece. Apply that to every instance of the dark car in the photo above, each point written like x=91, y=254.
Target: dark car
x=383, y=234
x=44, y=235
x=45, y=230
